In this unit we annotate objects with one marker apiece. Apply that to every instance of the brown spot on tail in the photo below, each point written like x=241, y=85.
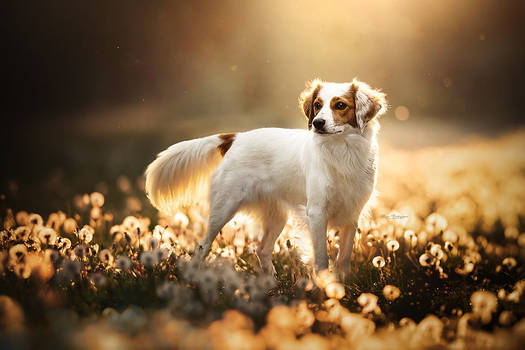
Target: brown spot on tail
x=227, y=141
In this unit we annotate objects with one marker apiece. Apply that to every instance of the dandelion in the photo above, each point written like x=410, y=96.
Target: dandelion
x=47, y=236
x=450, y=236
x=436, y=251
x=168, y=236
x=484, y=304
x=435, y=223
x=428, y=331
x=356, y=327
x=161, y=253
x=82, y=251
x=426, y=260
x=18, y=252
x=392, y=245
x=98, y=279
x=368, y=302
x=22, y=218
x=22, y=270
x=105, y=256
x=379, y=262
x=70, y=225
x=54, y=221
x=407, y=322
x=123, y=263
x=21, y=233
x=64, y=243
x=467, y=268
x=512, y=233
x=324, y=278
x=95, y=213
x=335, y=290
x=97, y=199
x=151, y=243
x=391, y=292
x=148, y=259
x=131, y=223
x=509, y=262
x=304, y=317
x=506, y=318
x=35, y=220
x=281, y=317
x=449, y=247
x=86, y=234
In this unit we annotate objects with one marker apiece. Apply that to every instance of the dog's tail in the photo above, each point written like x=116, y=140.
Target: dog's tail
x=180, y=175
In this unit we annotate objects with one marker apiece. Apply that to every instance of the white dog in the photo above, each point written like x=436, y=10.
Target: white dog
x=326, y=174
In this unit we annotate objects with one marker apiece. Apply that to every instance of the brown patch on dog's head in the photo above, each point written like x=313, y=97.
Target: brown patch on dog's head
x=308, y=99
x=343, y=109
x=227, y=141
x=369, y=103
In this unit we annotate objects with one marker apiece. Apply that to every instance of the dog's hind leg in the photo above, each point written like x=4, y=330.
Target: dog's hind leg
x=273, y=221
x=223, y=206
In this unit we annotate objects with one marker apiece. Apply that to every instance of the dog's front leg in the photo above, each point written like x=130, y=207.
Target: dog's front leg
x=342, y=262
x=317, y=221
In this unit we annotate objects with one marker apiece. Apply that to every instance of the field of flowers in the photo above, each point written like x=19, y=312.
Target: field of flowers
x=437, y=264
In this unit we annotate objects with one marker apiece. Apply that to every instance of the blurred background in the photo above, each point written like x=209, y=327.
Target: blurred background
x=94, y=90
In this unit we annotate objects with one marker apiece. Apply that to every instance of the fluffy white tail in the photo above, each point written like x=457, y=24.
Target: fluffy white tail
x=180, y=175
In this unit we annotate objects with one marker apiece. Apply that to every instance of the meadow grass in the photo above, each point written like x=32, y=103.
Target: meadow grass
x=438, y=263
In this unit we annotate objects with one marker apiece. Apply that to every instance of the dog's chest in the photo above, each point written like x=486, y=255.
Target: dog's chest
x=349, y=187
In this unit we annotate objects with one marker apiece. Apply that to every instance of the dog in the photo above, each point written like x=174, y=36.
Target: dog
x=326, y=174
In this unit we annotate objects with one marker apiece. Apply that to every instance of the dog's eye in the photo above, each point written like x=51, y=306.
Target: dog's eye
x=340, y=105
x=317, y=105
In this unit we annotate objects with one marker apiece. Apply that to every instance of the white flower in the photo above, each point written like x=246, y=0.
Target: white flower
x=148, y=259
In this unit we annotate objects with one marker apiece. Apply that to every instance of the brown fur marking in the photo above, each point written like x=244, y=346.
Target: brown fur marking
x=307, y=99
x=345, y=116
x=227, y=141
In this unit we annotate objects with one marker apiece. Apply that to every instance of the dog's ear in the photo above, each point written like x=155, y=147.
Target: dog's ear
x=307, y=98
x=369, y=103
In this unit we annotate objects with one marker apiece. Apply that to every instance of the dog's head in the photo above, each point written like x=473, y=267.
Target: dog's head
x=333, y=108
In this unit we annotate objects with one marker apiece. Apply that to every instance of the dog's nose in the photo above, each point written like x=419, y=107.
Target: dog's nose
x=319, y=123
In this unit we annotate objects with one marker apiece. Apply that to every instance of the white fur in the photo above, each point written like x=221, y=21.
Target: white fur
x=271, y=172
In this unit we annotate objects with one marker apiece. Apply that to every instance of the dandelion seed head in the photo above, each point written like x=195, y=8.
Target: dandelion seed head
x=105, y=256
x=98, y=279
x=436, y=251
x=96, y=199
x=426, y=260
x=86, y=234
x=325, y=277
x=379, y=262
x=148, y=259
x=70, y=225
x=368, y=302
x=21, y=233
x=391, y=292
x=484, y=304
x=18, y=252
x=123, y=263
x=509, y=262
x=22, y=218
x=47, y=236
x=392, y=245
x=35, y=220
x=335, y=290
